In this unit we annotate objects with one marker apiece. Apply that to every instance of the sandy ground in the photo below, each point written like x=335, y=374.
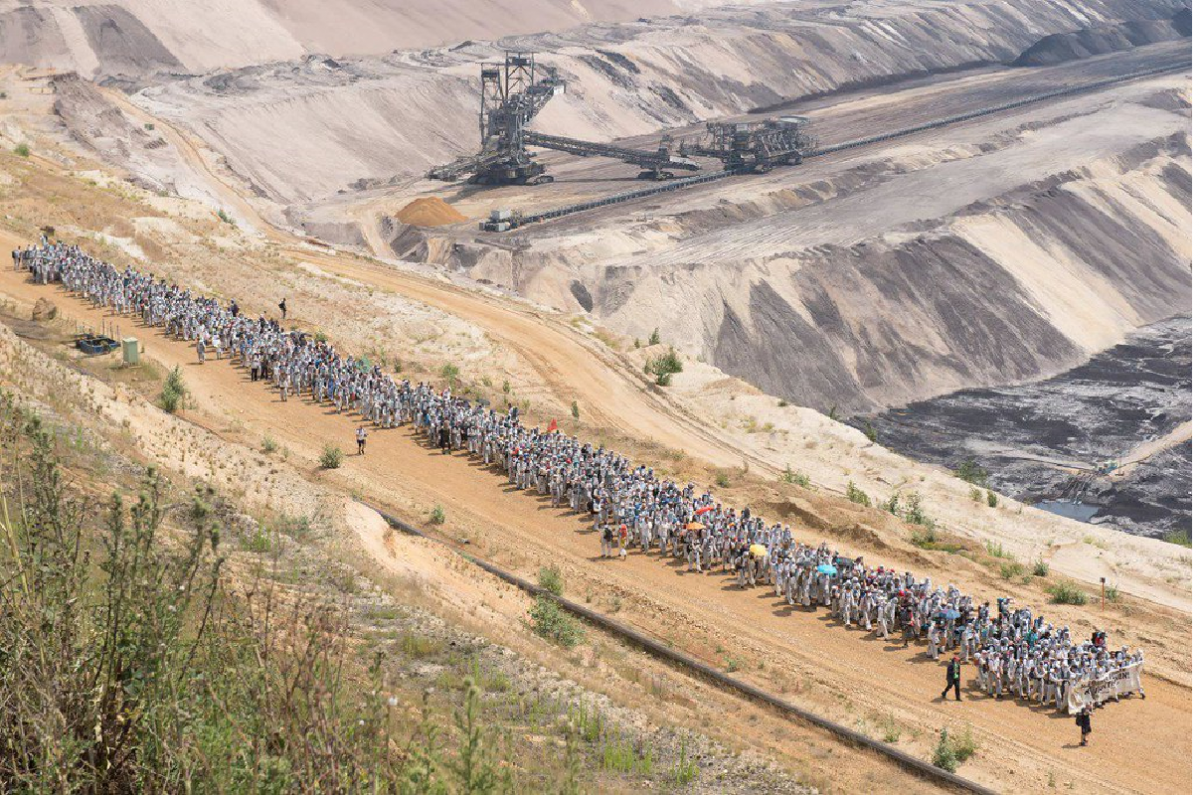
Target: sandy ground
x=1021, y=746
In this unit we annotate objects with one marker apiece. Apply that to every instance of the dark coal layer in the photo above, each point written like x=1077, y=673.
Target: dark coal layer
x=1045, y=440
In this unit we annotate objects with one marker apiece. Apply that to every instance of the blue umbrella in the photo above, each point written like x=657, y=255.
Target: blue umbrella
x=948, y=614
x=825, y=568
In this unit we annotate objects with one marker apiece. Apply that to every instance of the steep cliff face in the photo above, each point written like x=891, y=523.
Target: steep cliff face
x=302, y=132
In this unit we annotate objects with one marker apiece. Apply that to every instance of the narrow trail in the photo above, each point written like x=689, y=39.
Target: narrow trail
x=1136, y=747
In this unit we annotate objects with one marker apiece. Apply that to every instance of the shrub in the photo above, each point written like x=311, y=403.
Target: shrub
x=833, y=413
x=914, y=513
x=655, y=339
x=953, y=750
x=1041, y=569
x=870, y=433
x=996, y=550
x=1111, y=593
x=549, y=621
x=269, y=445
x=722, y=480
x=975, y=494
x=993, y=500
x=857, y=495
x=795, y=478
x=22, y=150
x=226, y=217
x=331, y=456
x=663, y=367
x=1065, y=593
x=892, y=506
x=174, y=392
x=575, y=409
x=550, y=578
x=450, y=373
x=437, y=515
x=972, y=472
x=1010, y=570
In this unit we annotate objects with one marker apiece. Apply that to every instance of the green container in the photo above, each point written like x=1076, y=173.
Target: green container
x=129, y=350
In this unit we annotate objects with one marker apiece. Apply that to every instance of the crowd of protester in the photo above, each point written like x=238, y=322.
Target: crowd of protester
x=1016, y=652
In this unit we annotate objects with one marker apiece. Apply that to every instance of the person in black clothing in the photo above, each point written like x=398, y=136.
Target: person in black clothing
x=954, y=678
x=283, y=308
x=1084, y=721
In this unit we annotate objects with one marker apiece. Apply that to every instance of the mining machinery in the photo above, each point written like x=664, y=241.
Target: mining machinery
x=511, y=94
x=754, y=146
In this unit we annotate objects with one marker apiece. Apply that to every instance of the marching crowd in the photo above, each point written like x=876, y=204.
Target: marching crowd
x=1016, y=653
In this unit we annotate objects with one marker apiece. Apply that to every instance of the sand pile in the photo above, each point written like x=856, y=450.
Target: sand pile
x=429, y=212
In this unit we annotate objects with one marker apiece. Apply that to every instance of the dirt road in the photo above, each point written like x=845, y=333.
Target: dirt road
x=1137, y=745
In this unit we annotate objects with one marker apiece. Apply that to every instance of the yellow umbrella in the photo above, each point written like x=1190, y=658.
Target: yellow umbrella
x=758, y=550
x=693, y=526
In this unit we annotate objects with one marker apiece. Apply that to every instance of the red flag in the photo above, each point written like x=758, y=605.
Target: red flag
x=552, y=427
x=705, y=509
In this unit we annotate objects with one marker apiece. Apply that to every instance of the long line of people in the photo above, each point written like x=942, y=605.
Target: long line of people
x=1016, y=652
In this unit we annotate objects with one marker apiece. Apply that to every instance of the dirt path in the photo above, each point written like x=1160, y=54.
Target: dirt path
x=1137, y=745
x=1133, y=459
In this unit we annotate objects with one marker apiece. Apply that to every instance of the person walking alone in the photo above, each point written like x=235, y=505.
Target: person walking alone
x=954, y=678
x=1084, y=721
x=360, y=436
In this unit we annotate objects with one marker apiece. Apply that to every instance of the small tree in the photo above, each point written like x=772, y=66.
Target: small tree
x=654, y=338
x=993, y=500
x=174, y=392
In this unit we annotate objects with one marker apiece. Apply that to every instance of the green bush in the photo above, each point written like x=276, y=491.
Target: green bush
x=331, y=456
x=857, y=495
x=1065, y=593
x=1010, y=570
x=269, y=445
x=1041, y=569
x=722, y=480
x=121, y=636
x=914, y=513
x=996, y=550
x=437, y=515
x=870, y=432
x=663, y=367
x=972, y=472
x=22, y=150
x=795, y=478
x=993, y=500
x=551, y=622
x=174, y=392
x=575, y=409
x=953, y=749
x=655, y=339
x=550, y=578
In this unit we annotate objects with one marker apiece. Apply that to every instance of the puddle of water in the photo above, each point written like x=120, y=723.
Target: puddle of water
x=1079, y=511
